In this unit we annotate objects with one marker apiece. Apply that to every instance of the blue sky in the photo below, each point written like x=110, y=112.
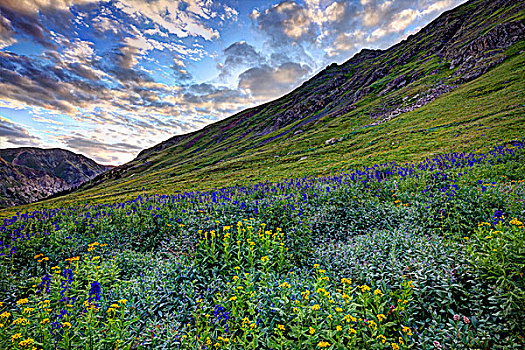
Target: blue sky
x=108, y=78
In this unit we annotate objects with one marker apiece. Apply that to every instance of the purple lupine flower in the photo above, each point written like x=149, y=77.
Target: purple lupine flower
x=94, y=292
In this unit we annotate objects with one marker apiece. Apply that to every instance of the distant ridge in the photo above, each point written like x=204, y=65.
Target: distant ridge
x=28, y=174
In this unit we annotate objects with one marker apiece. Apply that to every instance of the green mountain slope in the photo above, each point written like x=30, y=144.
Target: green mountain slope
x=458, y=84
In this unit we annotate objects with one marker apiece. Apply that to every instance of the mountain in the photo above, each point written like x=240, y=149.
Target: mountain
x=458, y=84
x=28, y=174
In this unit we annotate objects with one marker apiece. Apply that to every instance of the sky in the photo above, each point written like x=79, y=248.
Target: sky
x=108, y=78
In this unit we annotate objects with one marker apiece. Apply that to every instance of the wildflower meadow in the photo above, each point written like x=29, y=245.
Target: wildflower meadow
x=428, y=255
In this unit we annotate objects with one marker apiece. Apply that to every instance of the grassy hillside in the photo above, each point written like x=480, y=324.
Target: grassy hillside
x=475, y=115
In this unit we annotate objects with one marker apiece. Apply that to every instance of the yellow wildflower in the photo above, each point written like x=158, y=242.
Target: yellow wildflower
x=316, y=307
x=66, y=324
x=27, y=342
x=381, y=338
x=364, y=288
x=21, y=321
x=311, y=330
x=407, y=330
x=323, y=344
x=346, y=280
x=395, y=346
x=381, y=317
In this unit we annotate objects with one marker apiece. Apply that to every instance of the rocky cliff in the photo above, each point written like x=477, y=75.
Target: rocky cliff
x=30, y=174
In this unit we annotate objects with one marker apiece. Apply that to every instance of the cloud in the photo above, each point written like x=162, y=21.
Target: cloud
x=285, y=22
x=104, y=24
x=265, y=82
x=209, y=100
x=400, y=21
x=180, y=18
x=14, y=134
x=345, y=42
x=6, y=32
x=23, y=24
x=35, y=6
x=239, y=55
x=46, y=120
x=101, y=151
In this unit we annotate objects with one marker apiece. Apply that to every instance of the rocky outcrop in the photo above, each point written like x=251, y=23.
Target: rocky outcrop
x=29, y=174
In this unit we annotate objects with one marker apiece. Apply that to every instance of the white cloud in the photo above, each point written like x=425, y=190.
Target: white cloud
x=178, y=62
x=171, y=16
x=346, y=42
x=34, y=6
x=47, y=121
x=438, y=6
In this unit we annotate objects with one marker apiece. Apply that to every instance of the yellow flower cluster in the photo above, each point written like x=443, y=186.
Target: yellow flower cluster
x=305, y=294
x=350, y=318
x=346, y=280
x=27, y=342
x=364, y=288
x=92, y=246
x=75, y=258
x=22, y=321
x=518, y=223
